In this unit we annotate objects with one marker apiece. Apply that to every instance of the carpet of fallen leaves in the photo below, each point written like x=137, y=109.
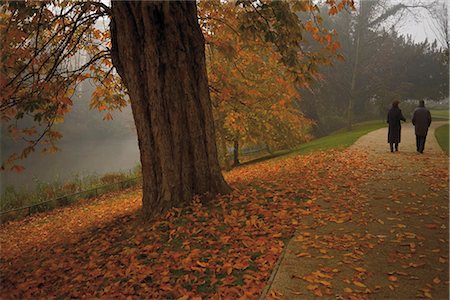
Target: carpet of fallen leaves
x=383, y=237
x=225, y=249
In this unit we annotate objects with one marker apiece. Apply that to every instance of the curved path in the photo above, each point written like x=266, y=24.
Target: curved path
x=376, y=141
x=400, y=248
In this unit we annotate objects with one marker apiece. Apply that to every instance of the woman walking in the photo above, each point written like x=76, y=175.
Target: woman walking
x=394, y=132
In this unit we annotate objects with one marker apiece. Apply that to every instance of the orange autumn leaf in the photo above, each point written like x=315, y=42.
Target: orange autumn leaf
x=392, y=278
x=359, y=284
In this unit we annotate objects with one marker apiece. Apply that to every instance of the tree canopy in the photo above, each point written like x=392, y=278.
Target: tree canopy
x=51, y=47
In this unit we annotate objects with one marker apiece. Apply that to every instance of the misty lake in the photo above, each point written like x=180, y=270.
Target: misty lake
x=79, y=158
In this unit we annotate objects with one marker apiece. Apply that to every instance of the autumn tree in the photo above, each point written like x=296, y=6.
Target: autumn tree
x=253, y=94
x=158, y=50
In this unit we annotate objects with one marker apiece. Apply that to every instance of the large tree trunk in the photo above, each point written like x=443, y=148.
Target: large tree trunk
x=158, y=50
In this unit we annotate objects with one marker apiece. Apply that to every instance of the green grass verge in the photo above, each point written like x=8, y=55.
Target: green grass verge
x=442, y=137
x=440, y=114
x=340, y=139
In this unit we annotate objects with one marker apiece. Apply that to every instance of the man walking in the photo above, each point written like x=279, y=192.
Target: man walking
x=421, y=121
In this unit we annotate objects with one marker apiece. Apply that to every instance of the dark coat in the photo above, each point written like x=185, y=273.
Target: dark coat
x=421, y=121
x=393, y=118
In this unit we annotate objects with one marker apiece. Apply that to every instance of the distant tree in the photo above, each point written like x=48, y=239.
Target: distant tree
x=383, y=67
x=439, y=24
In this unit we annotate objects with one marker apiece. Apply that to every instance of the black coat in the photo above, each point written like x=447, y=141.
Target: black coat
x=393, y=118
x=421, y=121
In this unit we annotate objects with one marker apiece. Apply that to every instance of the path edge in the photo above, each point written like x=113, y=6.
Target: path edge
x=275, y=271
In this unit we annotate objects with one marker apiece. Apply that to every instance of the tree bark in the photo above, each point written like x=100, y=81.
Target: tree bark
x=236, y=153
x=158, y=50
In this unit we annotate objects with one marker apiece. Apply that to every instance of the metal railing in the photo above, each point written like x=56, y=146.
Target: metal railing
x=61, y=201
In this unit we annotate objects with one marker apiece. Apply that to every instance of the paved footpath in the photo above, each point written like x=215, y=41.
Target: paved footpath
x=395, y=242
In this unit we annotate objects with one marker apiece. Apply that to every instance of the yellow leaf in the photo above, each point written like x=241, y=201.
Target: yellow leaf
x=202, y=264
x=312, y=287
x=359, y=284
x=324, y=282
x=436, y=280
x=321, y=275
x=359, y=269
x=427, y=294
x=348, y=290
x=303, y=254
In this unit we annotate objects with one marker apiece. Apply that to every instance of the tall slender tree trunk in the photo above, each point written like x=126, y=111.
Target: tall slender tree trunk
x=355, y=68
x=236, y=153
x=159, y=51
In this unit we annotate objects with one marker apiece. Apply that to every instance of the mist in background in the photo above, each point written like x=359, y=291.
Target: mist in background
x=92, y=146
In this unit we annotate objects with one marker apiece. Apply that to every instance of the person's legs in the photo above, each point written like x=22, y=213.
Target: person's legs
x=391, y=145
x=417, y=143
x=396, y=146
x=422, y=143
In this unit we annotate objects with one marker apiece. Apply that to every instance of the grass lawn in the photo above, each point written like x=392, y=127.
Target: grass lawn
x=442, y=137
x=340, y=139
x=440, y=114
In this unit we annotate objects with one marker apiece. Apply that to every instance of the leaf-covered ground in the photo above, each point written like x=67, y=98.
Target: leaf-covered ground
x=226, y=249
x=383, y=237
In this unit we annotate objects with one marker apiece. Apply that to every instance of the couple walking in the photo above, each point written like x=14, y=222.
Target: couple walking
x=421, y=121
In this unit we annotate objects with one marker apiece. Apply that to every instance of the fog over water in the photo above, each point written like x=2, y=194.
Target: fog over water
x=90, y=146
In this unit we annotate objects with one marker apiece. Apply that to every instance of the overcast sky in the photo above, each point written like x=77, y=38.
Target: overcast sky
x=420, y=25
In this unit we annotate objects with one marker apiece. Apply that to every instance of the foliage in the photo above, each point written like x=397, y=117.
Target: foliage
x=254, y=68
x=53, y=46
x=252, y=92
x=442, y=136
x=48, y=49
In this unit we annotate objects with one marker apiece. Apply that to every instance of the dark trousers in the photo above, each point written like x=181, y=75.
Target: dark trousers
x=420, y=143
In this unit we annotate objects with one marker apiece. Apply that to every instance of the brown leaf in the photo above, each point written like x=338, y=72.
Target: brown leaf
x=432, y=226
